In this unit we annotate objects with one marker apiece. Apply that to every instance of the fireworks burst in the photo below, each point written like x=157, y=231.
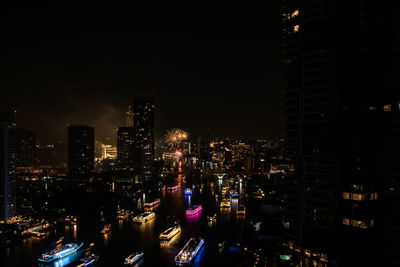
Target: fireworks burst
x=175, y=136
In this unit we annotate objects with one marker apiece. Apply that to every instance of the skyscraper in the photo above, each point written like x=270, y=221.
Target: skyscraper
x=80, y=151
x=7, y=166
x=129, y=117
x=333, y=115
x=143, y=121
x=25, y=153
x=126, y=148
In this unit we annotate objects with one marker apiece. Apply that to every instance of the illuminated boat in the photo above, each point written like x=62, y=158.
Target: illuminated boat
x=106, y=229
x=170, y=233
x=89, y=260
x=241, y=210
x=188, y=191
x=123, y=214
x=71, y=219
x=172, y=188
x=144, y=217
x=152, y=204
x=234, y=194
x=133, y=258
x=195, y=210
x=190, y=251
x=225, y=204
x=60, y=252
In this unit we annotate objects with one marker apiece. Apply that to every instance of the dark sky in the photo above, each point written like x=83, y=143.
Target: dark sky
x=211, y=66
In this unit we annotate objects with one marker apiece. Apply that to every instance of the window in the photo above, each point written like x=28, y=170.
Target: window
x=357, y=197
x=374, y=196
x=296, y=28
x=346, y=221
x=346, y=195
x=295, y=13
x=387, y=108
x=372, y=108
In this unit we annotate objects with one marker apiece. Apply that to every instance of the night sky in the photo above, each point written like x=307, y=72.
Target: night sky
x=213, y=67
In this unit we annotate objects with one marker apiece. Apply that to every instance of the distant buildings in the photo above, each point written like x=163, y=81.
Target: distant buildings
x=7, y=166
x=25, y=151
x=125, y=148
x=143, y=121
x=80, y=151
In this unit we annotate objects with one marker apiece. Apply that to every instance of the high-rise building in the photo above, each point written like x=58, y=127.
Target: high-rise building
x=129, y=117
x=204, y=149
x=390, y=130
x=333, y=109
x=143, y=121
x=25, y=153
x=80, y=151
x=126, y=148
x=7, y=166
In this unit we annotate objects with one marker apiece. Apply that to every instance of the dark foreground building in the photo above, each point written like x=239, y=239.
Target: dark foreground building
x=143, y=126
x=125, y=148
x=80, y=151
x=342, y=132
x=7, y=166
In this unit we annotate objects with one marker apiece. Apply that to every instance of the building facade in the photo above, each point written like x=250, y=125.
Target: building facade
x=7, y=166
x=126, y=148
x=340, y=110
x=143, y=121
x=80, y=151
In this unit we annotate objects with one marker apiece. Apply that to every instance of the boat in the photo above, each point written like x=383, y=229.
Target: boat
x=234, y=194
x=190, y=251
x=123, y=214
x=150, y=205
x=60, y=252
x=168, y=234
x=241, y=210
x=133, y=258
x=89, y=260
x=71, y=220
x=106, y=229
x=225, y=204
x=144, y=217
x=212, y=218
x=195, y=210
x=188, y=191
x=172, y=188
x=60, y=240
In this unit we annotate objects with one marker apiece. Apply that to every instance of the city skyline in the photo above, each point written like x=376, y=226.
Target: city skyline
x=206, y=74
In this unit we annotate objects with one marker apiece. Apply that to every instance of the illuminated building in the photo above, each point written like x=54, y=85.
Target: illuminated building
x=129, y=117
x=108, y=151
x=333, y=136
x=25, y=153
x=80, y=151
x=143, y=118
x=7, y=166
x=125, y=148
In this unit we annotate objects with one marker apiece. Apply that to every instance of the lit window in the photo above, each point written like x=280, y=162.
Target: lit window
x=374, y=196
x=387, y=108
x=346, y=195
x=398, y=106
x=296, y=28
x=346, y=221
x=295, y=13
x=357, y=197
x=372, y=108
